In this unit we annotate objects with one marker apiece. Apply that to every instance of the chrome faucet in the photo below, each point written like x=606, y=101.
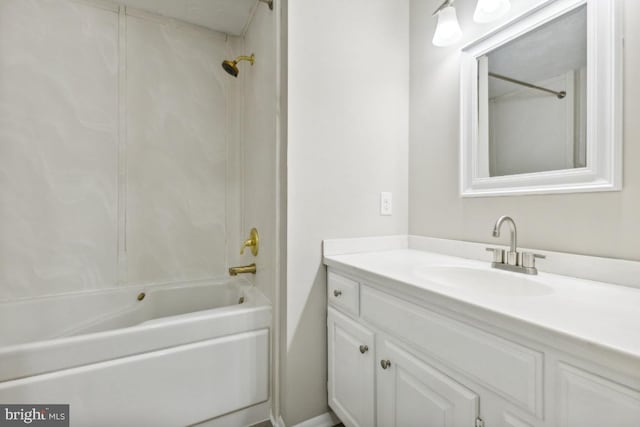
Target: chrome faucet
x=512, y=260
x=512, y=255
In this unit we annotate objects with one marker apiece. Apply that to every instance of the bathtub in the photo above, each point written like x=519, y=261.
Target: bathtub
x=162, y=355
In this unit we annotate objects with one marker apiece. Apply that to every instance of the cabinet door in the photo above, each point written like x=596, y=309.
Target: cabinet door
x=412, y=393
x=585, y=399
x=351, y=370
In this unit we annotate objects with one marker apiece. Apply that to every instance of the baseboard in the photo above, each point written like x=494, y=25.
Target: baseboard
x=245, y=417
x=328, y=419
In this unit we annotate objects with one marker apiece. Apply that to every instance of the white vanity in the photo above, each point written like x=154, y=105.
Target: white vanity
x=423, y=332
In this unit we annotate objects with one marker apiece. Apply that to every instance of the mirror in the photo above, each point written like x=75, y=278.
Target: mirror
x=535, y=92
x=534, y=117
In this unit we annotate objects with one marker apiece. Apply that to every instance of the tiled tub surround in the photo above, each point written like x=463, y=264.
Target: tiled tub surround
x=114, y=141
x=555, y=351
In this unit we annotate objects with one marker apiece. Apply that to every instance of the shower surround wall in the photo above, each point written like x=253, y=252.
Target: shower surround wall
x=117, y=131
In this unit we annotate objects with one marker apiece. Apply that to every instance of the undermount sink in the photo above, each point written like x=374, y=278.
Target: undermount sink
x=484, y=280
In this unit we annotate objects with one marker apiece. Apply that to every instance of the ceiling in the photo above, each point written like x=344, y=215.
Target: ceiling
x=227, y=16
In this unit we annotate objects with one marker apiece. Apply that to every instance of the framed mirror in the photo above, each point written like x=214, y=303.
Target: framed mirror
x=541, y=102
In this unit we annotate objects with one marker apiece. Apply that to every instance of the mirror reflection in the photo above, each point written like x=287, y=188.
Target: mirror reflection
x=532, y=100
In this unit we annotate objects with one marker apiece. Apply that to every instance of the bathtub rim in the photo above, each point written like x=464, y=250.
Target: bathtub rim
x=44, y=356
x=130, y=287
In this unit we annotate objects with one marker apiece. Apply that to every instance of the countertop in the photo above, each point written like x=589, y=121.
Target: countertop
x=597, y=313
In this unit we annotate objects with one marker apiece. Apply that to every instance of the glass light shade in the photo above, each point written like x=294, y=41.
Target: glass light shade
x=490, y=10
x=448, y=30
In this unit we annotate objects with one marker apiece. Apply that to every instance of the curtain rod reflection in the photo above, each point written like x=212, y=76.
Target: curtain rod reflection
x=559, y=95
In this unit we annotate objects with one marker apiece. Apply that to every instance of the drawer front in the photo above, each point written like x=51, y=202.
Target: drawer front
x=343, y=293
x=509, y=369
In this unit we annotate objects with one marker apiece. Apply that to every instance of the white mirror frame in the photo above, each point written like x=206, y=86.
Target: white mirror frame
x=604, y=106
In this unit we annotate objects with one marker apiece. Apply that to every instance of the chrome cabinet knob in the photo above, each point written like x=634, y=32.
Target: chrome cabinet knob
x=337, y=293
x=385, y=364
x=364, y=349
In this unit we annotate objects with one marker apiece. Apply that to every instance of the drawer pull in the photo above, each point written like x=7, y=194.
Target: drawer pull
x=364, y=349
x=385, y=364
x=337, y=293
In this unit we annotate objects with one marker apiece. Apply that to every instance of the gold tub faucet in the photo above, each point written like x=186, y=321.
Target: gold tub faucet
x=252, y=242
x=242, y=269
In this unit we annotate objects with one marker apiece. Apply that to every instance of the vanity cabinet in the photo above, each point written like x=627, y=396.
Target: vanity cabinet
x=412, y=393
x=396, y=363
x=587, y=399
x=351, y=370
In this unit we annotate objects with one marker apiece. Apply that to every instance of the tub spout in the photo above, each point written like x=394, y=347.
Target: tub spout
x=243, y=269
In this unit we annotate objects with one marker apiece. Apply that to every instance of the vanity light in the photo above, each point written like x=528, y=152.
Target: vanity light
x=448, y=30
x=490, y=10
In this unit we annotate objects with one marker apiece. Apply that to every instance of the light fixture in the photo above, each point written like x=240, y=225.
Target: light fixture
x=448, y=30
x=490, y=10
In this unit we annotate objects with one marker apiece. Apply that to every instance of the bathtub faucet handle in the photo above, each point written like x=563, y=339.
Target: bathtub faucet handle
x=252, y=242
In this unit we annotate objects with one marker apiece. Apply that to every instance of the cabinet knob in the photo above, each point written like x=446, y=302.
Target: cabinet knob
x=385, y=364
x=337, y=293
x=364, y=349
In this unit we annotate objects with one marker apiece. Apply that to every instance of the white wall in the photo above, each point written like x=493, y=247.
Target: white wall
x=348, y=83
x=259, y=162
x=603, y=224
x=175, y=151
x=113, y=148
x=259, y=145
x=58, y=147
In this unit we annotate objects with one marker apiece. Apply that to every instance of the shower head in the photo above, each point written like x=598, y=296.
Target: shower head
x=231, y=67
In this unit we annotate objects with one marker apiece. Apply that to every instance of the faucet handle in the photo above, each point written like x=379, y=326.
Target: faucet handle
x=252, y=242
x=529, y=259
x=498, y=254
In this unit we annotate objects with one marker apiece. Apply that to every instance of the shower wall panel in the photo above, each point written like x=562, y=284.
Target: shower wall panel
x=176, y=151
x=58, y=147
x=114, y=148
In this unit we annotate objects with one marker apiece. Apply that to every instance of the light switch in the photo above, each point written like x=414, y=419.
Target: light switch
x=386, y=203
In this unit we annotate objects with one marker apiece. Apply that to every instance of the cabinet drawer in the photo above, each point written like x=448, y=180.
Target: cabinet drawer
x=507, y=368
x=343, y=293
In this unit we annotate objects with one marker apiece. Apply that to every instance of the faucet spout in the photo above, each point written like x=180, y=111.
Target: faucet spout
x=243, y=269
x=512, y=228
x=513, y=260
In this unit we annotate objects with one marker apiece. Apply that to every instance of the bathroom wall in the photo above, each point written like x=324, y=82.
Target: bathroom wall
x=347, y=133
x=176, y=151
x=259, y=146
x=115, y=142
x=259, y=163
x=604, y=224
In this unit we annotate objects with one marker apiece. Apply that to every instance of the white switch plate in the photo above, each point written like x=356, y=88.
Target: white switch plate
x=386, y=203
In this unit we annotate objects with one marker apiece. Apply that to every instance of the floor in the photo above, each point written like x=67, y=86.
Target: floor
x=268, y=424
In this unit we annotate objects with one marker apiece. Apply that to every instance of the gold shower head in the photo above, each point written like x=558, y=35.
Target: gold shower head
x=231, y=67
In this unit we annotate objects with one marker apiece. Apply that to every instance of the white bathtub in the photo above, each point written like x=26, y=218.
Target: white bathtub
x=182, y=355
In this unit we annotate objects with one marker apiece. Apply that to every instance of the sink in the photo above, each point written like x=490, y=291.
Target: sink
x=484, y=280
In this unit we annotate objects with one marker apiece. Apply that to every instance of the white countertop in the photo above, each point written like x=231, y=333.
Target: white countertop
x=598, y=313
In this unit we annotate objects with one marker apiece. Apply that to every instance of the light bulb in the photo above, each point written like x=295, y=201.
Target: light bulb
x=490, y=10
x=448, y=30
